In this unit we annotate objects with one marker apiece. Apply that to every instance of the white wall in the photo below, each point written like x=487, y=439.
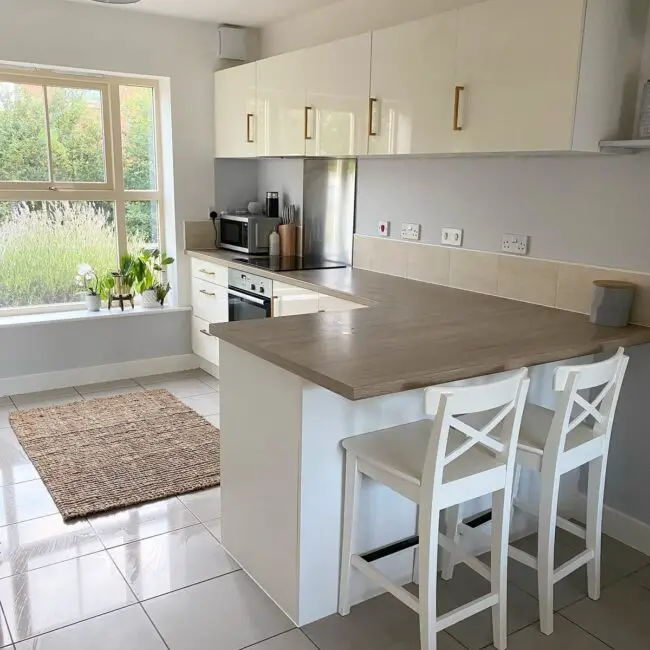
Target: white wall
x=347, y=18
x=100, y=38
x=592, y=209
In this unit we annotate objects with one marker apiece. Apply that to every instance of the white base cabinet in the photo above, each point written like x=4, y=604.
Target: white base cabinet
x=209, y=305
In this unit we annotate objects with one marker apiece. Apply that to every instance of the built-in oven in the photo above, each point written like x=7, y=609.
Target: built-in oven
x=249, y=296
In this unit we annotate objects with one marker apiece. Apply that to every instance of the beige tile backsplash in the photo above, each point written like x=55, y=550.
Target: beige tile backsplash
x=543, y=282
x=529, y=280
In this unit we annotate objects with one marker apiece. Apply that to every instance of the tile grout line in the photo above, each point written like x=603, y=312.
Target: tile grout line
x=590, y=634
x=275, y=636
x=11, y=636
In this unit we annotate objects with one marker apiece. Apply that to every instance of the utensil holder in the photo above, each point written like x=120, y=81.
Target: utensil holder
x=287, y=240
x=287, y=234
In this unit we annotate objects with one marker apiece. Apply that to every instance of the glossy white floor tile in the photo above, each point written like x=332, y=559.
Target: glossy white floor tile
x=24, y=501
x=124, y=629
x=214, y=527
x=206, y=504
x=44, y=541
x=61, y=594
x=133, y=524
x=103, y=386
x=46, y=398
x=152, y=380
x=211, y=381
x=214, y=420
x=184, y=387
x=228, y=613
x=5, y=411
x=165, y=563
x=294, y=640
x=15, y=466
x=203, y=404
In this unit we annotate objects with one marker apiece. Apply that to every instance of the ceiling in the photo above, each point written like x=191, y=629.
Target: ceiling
x=251, y=13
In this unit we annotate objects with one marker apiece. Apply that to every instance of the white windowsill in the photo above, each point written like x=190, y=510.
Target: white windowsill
x=81, y=314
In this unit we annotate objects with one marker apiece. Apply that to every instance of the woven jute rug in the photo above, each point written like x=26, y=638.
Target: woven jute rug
x=112, y=452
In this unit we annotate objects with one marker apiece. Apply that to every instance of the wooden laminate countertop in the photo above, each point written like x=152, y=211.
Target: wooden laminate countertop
x=412, y=335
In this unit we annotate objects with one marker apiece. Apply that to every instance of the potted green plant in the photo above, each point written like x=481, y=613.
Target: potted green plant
x=92, y=285
x=146, y=273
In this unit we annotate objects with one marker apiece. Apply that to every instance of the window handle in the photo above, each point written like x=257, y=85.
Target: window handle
x=53, y=189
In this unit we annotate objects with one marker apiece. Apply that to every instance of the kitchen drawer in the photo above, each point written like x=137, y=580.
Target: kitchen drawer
x=330, y=303
x=289, y=300
x=203, y=343
x=210, y=272
x=209, y=301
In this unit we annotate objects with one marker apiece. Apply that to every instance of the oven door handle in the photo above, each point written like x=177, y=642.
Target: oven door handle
x=245, y=296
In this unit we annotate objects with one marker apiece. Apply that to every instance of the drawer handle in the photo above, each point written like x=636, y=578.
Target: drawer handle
x=205, y=332
x=457, y=92
x=206, y=293
x=206, y=272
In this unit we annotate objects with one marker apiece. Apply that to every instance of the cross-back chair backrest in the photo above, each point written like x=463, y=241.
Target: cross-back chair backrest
x=600, y=384
x=501, y=401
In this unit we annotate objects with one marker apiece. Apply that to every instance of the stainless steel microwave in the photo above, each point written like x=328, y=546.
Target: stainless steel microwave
x=246, y=233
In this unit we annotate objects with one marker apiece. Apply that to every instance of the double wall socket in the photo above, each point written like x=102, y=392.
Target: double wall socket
x=411, y=231
x=451, y=237
x=515, y=244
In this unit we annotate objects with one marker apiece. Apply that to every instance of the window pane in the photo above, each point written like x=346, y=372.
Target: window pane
x=23, y=138
x=77, y=135
x=142, y=224
x=138, y=138
x=42, y=243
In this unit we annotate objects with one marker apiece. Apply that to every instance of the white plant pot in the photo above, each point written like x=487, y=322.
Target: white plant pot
x=93, y=303
x=149, y=299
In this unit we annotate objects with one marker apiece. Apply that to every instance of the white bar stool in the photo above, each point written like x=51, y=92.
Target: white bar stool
x=439, y=463
x=554, y=443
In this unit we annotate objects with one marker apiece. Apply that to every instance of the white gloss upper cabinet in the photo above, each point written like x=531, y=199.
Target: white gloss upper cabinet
x=281, y=105
x=235, y=108
x=518, y=62
x=337, y=85
x=412, y=86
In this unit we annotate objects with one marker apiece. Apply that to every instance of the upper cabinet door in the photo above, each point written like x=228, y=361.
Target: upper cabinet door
x=517, y=74
x=412, y=86
x=281, y=105
x=336, y=109
x=235, y=120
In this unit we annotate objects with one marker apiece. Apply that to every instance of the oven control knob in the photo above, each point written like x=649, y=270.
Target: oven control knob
x=261, y=289
x=252, y=287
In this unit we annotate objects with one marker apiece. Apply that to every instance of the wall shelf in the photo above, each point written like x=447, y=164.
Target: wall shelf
x=624, y=146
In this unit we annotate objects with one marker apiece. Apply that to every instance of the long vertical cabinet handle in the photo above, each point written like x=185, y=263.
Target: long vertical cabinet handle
x=371, y=110
x=249, y=131
x=308, y=110
x=457, y=93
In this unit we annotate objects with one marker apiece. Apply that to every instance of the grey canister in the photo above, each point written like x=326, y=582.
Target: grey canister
x=612, y=303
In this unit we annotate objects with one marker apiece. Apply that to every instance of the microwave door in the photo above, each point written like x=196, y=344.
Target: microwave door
x=234, y=234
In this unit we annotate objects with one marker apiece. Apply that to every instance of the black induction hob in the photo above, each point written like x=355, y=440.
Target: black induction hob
x=280, y=264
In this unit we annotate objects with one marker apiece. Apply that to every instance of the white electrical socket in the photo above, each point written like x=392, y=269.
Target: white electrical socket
x=411, y=231
x=452, y=237
x=383, y=228
x=515, y=244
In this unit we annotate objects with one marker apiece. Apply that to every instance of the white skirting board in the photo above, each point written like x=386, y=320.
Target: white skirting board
x=210, y=368
x=618, y=525
x=96, y=374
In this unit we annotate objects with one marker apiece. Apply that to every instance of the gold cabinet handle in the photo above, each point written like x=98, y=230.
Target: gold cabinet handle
x=206, y=272
x=207, y=293
x=457, y=92
x=205, y=332
x=308, y=110
x=249, y=132
x=371, y=106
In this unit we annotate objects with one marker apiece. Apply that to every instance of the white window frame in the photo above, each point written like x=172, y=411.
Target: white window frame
x=113, y=189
